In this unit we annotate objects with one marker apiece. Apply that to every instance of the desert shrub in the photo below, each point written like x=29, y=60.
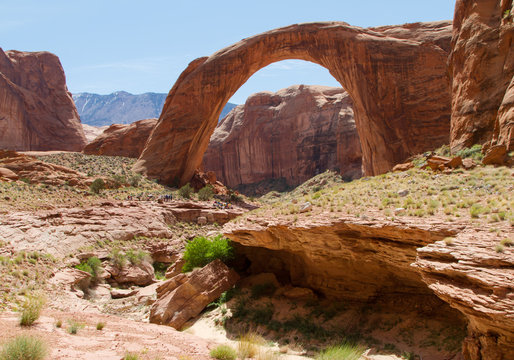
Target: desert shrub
x=223, y=352
x=100, y=325
x=118, y=258
x=97, y=186
x=186, y=191
x=131, y=356
x=206, y=193
x=31, y=309
x=474, y=152
x=341, y=352
x=248, y=345
x=201, y=251
x=23, y=347
x=136, y=257
x=160, y=270
x=118, y=180
x=92, y=266
x=74, y=326
x=135, y=180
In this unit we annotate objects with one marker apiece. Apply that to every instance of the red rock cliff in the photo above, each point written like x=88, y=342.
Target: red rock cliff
x=294, y=134
x=482, y=69
x=36, y=110
x=122, y=139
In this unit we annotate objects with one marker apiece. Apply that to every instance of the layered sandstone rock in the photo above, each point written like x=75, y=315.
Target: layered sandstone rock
x=186, y=295
x=396, y=76
x=482, y=69
x=294, y=134
x=122, y=139
x=36, y=110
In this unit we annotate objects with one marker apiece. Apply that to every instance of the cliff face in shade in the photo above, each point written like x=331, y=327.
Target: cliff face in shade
x=36, y=109
x=482, y=70
x=396, y=76
x=122, y=140
x=294, y=134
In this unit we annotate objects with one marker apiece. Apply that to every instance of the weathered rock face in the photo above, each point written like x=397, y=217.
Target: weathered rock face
x=396, y=77
x=122, y=140
x=186, y=295
x=92, y=132
x=294, y=134
x=36, y=109
x=482, y=70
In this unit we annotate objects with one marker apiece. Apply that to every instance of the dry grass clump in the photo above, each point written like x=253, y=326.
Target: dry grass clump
x=248, y=345
x=24, y=347
x=341, y=352
x=31, y=309
x=223, y=352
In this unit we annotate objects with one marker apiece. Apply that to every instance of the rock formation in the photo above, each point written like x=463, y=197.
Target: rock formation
x=294, y=134
x=396, y=76
x=92, y=132
x=482, y=70
x=186, y=295
x=36, y=109
x=122, y=140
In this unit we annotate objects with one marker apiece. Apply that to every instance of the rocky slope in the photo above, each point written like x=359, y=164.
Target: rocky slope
x=122, y=107
x=482, y=46
x=36, y=109
x=122, y=140
x=294, y=134
x=396, y=77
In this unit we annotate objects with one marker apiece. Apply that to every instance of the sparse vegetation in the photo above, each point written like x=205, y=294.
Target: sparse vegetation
x=186, y=191
x=341, y=352
x=205, y=193
x=24, y=347
x=248, y=345
x=97, y=186
x=93, y=265
x=31, y=309
x=223, y=352
x=74, y=326
x=201, y=251
x=131, y=356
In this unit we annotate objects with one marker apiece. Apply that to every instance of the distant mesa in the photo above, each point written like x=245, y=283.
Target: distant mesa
x=293, y=134
x=36, y=110
x=122, y=107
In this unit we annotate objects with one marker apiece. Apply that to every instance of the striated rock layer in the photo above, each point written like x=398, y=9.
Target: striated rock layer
x=482, y=70
x=395, y=75
x=122, y=140
x=294, y=134
x=36, y=109
x=361, y=260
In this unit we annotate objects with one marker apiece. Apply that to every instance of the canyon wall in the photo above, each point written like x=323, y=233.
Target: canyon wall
x=122, y=139
x=482, y=70
x=36, y=110
x=293, y=134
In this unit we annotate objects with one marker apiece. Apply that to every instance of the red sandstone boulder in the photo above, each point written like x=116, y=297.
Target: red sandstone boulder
x=122, y=139
x=202, y=179
x=186, y=295
x=294, y=134
x=482, y=69
x=495, y=155
x=141, y=274
x=36, y=110
x=8, y=175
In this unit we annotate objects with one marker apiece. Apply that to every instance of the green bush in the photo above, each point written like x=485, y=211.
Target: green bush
x=223, y=352
x=186, y=191
x=136, y=257
x=341, y=352
x=206, y=193
x=118, y=180
x=474, y=152
x=118, y=258
x=201, y=251
x=31, y=309
x=97, y=186
x=23, y=347
x=131, y=356
x=100, y=325
x=92, y=266
x=135, y=179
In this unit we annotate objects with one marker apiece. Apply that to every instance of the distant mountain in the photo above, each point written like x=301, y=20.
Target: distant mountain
x=122, y=107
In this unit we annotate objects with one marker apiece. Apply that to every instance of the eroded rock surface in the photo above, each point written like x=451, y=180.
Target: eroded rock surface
x=186, y=295
x=396, y=76
x=482, y=69
x=122, y=139
x=36, y=110
x=295, y=133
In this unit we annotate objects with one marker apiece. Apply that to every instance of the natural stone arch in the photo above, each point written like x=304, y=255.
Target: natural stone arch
x=396, y=76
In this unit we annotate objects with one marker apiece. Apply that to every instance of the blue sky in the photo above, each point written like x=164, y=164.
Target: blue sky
x=143, y=46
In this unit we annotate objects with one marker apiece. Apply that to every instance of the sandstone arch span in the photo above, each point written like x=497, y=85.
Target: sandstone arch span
x=396, y=76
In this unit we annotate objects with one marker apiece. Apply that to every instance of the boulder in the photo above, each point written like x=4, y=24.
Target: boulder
x=141, y=274
x=298, y=293
x=122, y=293
x=36, y=110
x=312, y=129
x=403, y=167
x=175, y=268
x=73, y=279
x=260, y=279
x=8, y=174
x=186, y=295
x=495, y=155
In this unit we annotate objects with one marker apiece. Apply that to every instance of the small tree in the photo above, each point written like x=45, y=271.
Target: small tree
x=186, y=191
x=97, y=186
x=201, y=251
x=206, y=193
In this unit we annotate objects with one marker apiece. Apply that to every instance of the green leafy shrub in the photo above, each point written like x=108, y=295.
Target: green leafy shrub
x=93, y=265
x=97, y=186
x=136, y=257
x=118, y=180
x=201, y=251
x=31, y=309
x=118, y=258
x=206, y=193
x=186, y=191
x=341, y=352
x=223, y=352
x=474, y=152
x=23, y=347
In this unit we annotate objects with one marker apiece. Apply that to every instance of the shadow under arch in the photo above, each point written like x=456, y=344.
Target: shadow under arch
x=396, y=76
